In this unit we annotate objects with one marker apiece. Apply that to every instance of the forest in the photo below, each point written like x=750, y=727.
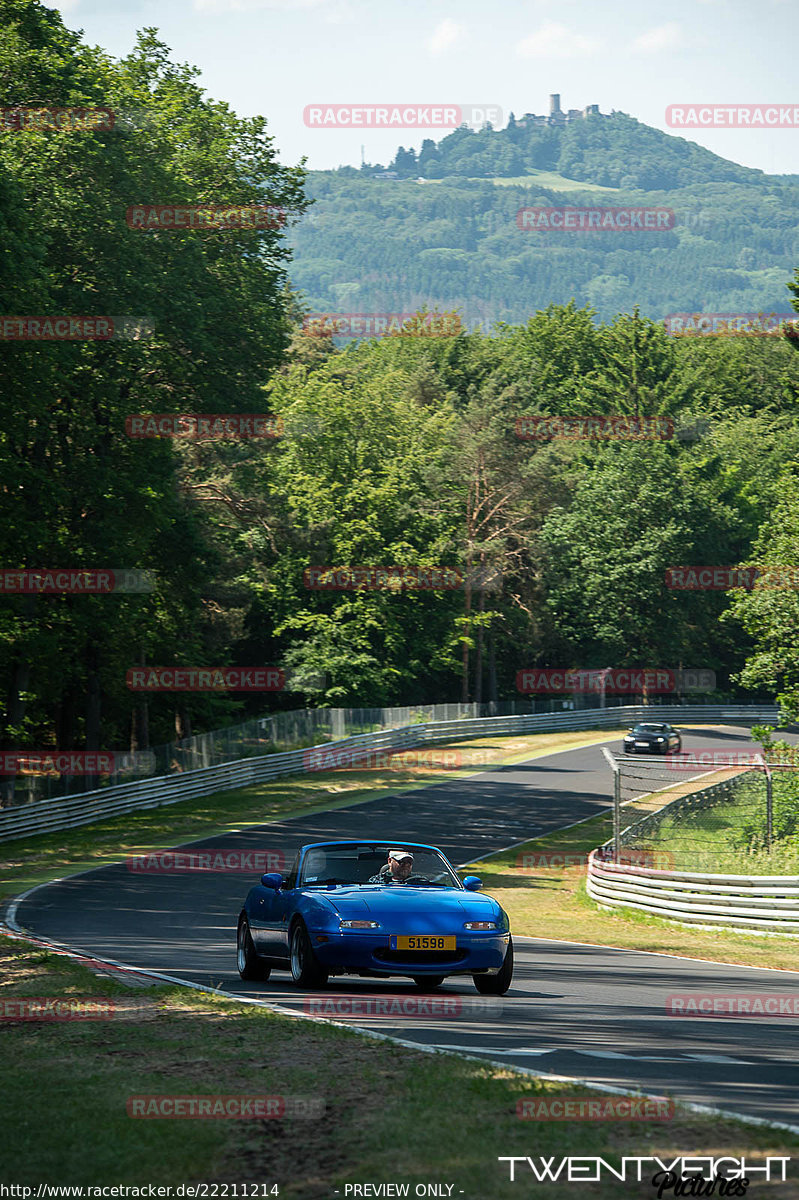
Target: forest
x=398, y=452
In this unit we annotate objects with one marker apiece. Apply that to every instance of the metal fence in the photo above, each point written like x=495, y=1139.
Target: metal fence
x=717, y=848
x=87, y=807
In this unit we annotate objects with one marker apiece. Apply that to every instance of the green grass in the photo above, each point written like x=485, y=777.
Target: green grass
x=551, y=181
x=390, y=1113
x=729, y=836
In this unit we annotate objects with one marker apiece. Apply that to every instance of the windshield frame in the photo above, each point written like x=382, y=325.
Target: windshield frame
x=379, y=848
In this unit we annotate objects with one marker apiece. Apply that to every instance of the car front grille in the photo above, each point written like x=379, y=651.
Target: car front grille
x=420, y=956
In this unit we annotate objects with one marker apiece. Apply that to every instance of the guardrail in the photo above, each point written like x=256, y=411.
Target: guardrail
x=757, y=902
x=50, y=815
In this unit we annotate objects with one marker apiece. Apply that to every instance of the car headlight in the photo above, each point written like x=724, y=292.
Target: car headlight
x=661, y=739
x=483, y=925
x=359, y=924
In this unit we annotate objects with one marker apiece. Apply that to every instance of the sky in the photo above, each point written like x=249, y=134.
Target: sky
x=275, y=57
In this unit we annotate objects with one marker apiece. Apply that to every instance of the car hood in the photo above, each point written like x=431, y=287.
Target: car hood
x=648, y=736
x=376, y=901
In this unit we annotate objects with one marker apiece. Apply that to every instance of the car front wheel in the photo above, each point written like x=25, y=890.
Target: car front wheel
x=497, y=985
x=249, y=964
x=306, y=970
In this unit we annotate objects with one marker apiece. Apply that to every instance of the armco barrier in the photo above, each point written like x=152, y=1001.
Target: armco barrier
x=756, y=902
x=50, y=815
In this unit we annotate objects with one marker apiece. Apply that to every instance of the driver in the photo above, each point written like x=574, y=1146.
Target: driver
x=397, y=869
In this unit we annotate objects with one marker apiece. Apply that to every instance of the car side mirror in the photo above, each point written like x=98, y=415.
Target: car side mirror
x=472, y=883
x=273, y=879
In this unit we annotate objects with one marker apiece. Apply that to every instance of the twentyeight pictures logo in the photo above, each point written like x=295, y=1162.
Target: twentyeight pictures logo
x=400, y=116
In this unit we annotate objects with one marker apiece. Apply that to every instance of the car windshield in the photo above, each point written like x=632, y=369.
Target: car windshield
x=650, y=729
x=360, y=863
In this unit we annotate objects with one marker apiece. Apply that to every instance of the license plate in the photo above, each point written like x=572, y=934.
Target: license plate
x=644, y=744
x=425, y=941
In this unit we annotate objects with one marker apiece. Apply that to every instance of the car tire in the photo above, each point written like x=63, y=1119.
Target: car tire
x=306, y=970
x=497, y=985
x=428, y=983
x=249, y=964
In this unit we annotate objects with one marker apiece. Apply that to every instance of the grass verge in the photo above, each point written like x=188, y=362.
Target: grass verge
x=390, y=1114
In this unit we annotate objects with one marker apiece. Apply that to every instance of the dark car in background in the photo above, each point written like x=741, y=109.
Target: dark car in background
x=652, y=737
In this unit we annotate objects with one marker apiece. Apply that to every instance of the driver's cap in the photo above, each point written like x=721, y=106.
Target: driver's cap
x=400, y=854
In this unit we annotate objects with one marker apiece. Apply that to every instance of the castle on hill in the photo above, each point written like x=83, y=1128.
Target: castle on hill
x=558, y=117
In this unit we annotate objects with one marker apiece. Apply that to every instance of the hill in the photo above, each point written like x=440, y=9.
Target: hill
x=442, y=231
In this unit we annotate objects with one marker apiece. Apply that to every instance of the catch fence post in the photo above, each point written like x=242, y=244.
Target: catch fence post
x=616, y=802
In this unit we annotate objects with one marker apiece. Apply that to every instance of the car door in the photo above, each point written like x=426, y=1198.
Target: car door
x=274, y=910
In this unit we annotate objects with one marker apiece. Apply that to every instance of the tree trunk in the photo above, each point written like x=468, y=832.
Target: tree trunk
x=478, y=665
x=492, y=665
x=467, y=609
x=19, y=677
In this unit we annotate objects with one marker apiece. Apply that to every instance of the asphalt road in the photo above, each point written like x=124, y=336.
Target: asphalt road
x=575, y=1010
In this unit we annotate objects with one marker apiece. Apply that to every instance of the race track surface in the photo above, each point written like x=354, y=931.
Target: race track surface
x=584, y=1011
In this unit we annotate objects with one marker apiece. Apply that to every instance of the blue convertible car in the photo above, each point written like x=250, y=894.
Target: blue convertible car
x=351, y=908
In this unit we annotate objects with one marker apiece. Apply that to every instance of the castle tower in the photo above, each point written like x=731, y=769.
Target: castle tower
x=554, y=104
